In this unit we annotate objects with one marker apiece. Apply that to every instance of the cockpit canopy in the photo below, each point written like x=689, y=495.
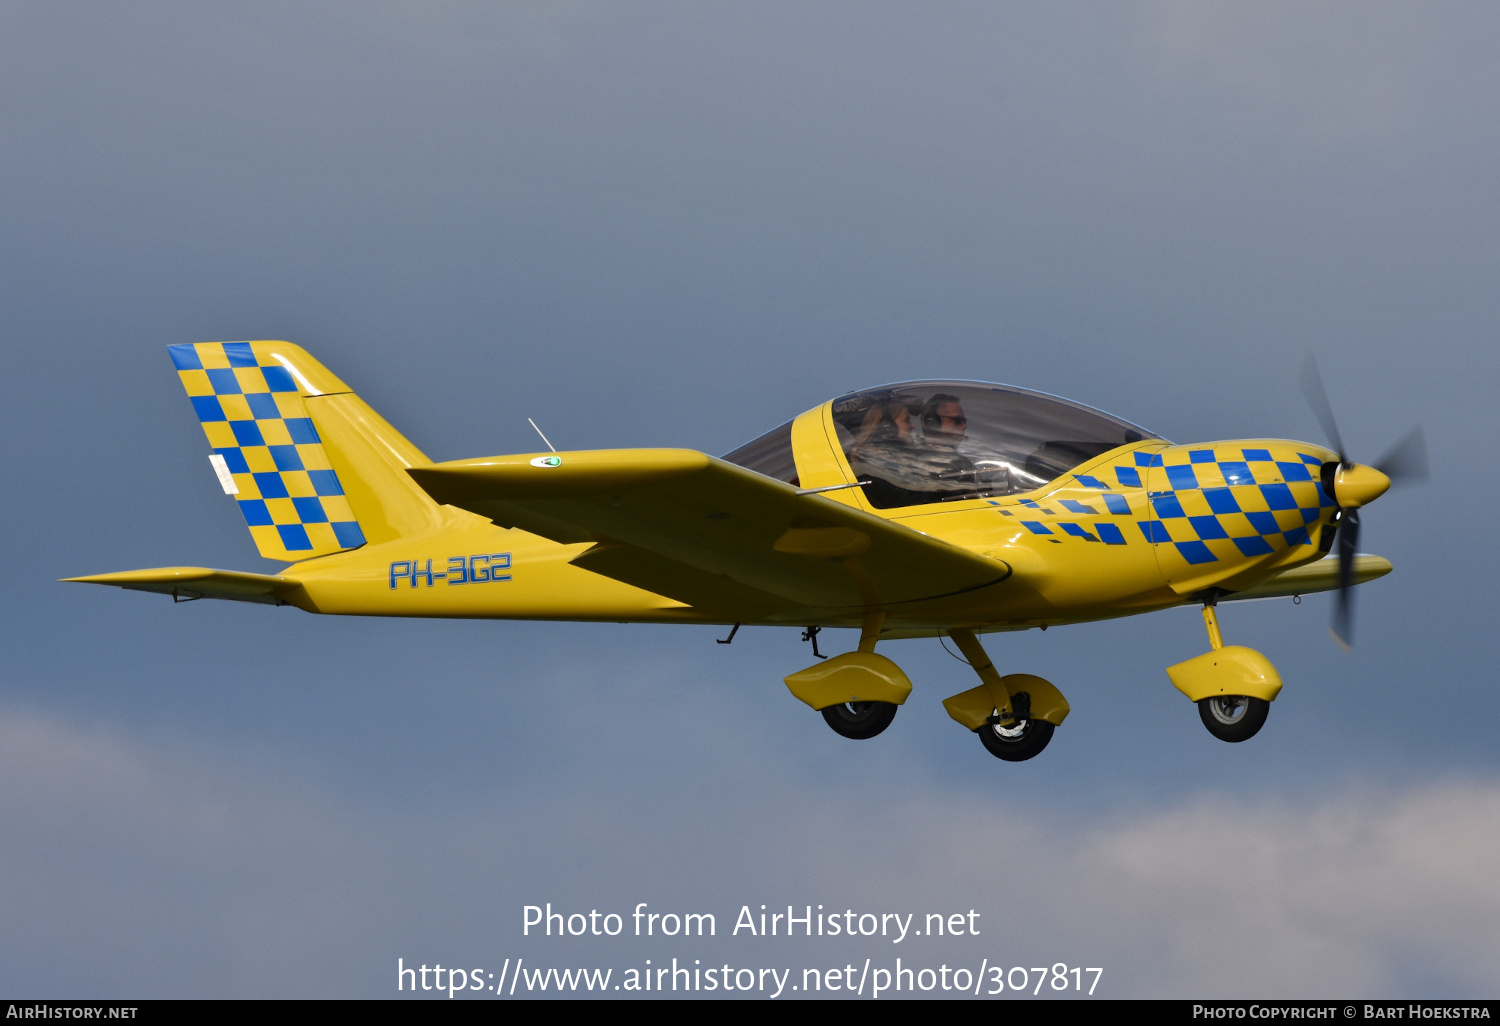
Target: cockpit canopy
x=919, y=442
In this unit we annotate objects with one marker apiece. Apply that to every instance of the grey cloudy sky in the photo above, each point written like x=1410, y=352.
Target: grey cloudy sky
x=681, y=224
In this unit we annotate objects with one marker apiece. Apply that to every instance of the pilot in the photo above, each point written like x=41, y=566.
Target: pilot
x=944, y=426
x=943, y=421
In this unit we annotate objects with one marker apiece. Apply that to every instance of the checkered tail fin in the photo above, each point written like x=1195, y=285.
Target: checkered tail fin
x=313, y=469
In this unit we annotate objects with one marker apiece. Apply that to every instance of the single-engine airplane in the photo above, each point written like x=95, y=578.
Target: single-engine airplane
x=923, y=509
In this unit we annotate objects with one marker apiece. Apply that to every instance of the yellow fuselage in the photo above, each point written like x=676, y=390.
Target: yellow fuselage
x=1141, y=527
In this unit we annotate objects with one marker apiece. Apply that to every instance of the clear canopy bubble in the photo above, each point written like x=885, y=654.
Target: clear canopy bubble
x=920, y=442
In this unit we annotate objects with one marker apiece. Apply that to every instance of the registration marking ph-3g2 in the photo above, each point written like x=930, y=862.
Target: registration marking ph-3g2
x=480, y=569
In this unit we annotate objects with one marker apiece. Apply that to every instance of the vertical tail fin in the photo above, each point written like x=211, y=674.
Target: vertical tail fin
x=313, y=469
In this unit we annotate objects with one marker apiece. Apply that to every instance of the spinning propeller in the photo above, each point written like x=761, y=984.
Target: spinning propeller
x=1353, y=485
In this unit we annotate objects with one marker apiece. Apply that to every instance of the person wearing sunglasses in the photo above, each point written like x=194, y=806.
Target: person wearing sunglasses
x=943, y=421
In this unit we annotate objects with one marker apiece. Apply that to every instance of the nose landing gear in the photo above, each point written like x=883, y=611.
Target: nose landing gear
x=1233, y=686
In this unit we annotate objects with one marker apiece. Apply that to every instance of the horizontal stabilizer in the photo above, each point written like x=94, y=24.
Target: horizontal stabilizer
x=1322, y=575
x=185, y=583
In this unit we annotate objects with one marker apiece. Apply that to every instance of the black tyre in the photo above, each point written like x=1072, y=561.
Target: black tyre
x=859, y=720
x=1017, y=742
x=1233, y=717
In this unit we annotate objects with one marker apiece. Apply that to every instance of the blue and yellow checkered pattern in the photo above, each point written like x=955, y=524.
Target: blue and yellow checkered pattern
x=254, y=417
x=1208, y=510
x=1215, y=504
x=1091, y=497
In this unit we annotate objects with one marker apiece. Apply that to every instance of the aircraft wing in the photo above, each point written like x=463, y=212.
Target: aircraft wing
x=1322, y=575
x=718, y=536
x=185, y=583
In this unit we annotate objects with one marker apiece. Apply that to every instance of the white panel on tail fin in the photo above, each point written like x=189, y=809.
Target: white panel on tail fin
x=221, y=469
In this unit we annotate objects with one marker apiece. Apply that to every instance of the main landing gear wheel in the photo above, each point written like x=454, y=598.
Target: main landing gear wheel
x=1016, y=742
x=1233, y=717
x=859, y=720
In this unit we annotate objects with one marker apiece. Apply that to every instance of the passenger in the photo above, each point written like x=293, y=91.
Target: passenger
x=886, y=455
x=885, y=424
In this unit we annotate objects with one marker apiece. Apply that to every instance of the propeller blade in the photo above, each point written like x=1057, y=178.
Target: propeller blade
x=1407, y=459
x=1342, y=627
x=1317, y=397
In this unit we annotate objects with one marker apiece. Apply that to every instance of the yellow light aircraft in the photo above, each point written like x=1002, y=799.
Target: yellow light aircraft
x=922, y=509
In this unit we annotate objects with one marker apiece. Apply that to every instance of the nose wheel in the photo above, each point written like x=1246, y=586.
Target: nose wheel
x=1233, y=717
x=1231, y=685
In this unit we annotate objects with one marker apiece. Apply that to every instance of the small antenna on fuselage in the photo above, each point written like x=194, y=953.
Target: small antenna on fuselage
x=539, y=431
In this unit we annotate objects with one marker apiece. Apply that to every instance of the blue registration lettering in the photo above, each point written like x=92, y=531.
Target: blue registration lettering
x=458, y=570
x=473, y=570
